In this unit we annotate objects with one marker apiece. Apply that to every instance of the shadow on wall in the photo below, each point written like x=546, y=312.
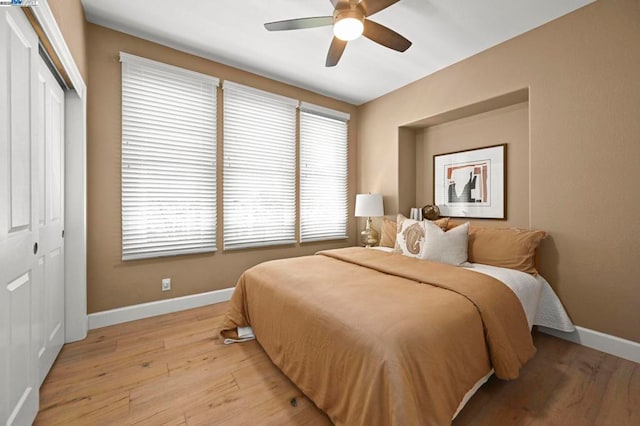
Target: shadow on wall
x=549, y=260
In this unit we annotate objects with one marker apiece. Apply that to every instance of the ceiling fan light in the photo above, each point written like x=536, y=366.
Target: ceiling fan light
x=348, y=28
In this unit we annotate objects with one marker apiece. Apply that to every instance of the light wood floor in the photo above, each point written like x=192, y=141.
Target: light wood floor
x=170, y=370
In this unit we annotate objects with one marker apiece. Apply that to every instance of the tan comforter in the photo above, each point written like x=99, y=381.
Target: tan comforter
x=376, y=338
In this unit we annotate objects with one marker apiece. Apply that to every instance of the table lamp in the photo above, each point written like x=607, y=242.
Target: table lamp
x=369, y=205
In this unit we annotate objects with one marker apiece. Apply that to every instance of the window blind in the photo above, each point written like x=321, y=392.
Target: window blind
x=323, y=173
x=168, y=160
x=259, y=187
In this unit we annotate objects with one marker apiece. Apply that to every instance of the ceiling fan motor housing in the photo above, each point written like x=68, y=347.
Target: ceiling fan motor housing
x=348, y=24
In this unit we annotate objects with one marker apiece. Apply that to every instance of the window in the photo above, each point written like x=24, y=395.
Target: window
x=323, y=173
x=168, y=160
x=259, y=183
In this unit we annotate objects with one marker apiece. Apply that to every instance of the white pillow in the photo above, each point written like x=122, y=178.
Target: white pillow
x=410, y=237
x=445, y=247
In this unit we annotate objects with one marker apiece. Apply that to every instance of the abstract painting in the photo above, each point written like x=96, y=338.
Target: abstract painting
x=471, y=183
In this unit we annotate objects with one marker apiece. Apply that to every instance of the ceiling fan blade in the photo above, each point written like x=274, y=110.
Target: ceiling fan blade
x=300, y=23
x=374, y=6
x=335, y=51
x=385, y=36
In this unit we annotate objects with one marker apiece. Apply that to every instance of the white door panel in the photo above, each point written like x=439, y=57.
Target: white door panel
x=18, y=235
x=31, y=218
x=52, y=337
x=21, y=61
x=54, y=147
x=41, y=141
x=23, y=399
x=50, y=137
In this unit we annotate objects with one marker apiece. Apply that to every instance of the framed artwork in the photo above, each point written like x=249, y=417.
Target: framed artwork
x=471, y=183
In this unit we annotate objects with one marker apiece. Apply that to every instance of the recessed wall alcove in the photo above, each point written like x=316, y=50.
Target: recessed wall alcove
x=498, y=120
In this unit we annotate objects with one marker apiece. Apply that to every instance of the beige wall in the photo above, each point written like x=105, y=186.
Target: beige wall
x=508, y=125
x=113, y=283
x=69, y=15
x=584, y=104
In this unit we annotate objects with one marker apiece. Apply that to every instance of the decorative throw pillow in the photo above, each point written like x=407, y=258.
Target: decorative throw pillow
x=445, y=247
x=388, y=233
x=505, y=247
x=410, y=235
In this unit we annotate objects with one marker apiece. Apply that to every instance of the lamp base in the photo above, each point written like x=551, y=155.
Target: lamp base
x=369, y=236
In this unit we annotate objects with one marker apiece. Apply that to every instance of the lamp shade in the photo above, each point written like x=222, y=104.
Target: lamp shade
x=369, y=205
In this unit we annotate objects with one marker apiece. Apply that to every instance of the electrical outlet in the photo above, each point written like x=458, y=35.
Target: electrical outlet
x=166, y=284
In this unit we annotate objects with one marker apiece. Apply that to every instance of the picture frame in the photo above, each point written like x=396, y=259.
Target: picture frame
x=471, y=183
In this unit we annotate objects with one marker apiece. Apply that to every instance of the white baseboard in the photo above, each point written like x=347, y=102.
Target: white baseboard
x=161, y=307
x=613, y=345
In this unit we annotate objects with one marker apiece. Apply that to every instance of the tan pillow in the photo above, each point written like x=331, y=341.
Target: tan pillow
x=505, y=247
x=452, y=224
x=388, y=233
x=443, y=223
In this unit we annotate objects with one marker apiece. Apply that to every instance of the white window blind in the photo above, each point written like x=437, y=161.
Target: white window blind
x=259, y=168
x=168, y=160
x=323, y=173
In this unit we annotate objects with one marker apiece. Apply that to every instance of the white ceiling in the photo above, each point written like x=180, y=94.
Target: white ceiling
x=443, y=32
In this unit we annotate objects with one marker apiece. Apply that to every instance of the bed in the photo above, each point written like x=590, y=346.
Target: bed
x=375, y=337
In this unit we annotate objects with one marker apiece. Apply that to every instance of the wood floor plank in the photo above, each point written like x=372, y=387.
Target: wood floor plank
x=135, y=327
x=218, y=355
x=623, y=392
x=158, y=419
x=99, y=384
x=64, y=370
x=564, y=384
x=211, y=311
x=261, y=397
x=178, y=394
x=171, y=370
x=74, y=352
x=167, y=332
x=255, y=372
x=97, y=409
x=204, y=332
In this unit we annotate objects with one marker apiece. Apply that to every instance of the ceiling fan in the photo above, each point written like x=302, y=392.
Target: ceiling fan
x=349, y=22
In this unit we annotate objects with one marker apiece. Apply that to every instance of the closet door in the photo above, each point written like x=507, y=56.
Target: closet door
x=50, y=262
x=18, y=220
